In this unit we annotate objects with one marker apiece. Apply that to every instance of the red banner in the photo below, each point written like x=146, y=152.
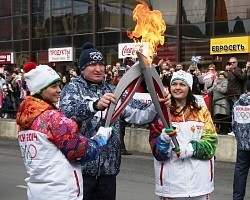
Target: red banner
x=6, y=58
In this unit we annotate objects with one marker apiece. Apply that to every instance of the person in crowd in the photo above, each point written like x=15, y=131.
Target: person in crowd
x=65, y=80
x=221, y=108
x=109, y=74
x=124, y=150
x=166, y=77
x=189, y=174
x=179, y=66
x=208, y=79
x=72, y=73
x=241, y=129
x=85, y=100
x=246, y=72
x=16, y=83
x=119, y=70
x=236, y=79
x=196, y=79
x=2, y=83
x=8, y=108
x=51, y=145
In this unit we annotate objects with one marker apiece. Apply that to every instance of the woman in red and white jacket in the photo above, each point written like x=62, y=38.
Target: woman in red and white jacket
x=52, y=148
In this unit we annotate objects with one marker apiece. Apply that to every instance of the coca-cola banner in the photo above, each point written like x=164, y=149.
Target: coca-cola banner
x=6, y=58
x=129, y=49
x=60, y=54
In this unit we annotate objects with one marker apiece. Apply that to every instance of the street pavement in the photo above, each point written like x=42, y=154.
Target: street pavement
x=135, y=181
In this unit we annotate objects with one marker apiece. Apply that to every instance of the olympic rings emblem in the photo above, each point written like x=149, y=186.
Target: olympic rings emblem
x=243, y=115
x=96, y=55
x=29, y=152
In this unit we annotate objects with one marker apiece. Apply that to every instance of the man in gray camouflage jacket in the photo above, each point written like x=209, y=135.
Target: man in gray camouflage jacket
x=85, y=100
x=241, y=129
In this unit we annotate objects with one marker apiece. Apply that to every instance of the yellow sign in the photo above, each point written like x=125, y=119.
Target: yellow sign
x=230, y=45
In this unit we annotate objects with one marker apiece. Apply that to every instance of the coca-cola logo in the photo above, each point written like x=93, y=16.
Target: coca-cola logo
x=131, y=51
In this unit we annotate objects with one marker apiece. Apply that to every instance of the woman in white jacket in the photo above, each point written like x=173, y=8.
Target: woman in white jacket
x=51, y=145
x=188, y=174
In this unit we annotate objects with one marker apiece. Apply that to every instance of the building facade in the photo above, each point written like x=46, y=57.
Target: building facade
x=29, y=28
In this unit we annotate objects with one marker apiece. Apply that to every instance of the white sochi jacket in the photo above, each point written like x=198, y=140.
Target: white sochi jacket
x=51, y=175
x=189, y=177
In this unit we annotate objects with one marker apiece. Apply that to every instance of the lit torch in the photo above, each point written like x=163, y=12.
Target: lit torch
x=150, y=29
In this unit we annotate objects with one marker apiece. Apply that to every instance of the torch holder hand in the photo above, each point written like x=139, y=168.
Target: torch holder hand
x=172, y=133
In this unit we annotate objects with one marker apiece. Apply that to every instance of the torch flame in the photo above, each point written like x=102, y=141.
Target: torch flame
x=150, y=27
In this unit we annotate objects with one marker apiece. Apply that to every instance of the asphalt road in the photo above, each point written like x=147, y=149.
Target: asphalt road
x=135, y=181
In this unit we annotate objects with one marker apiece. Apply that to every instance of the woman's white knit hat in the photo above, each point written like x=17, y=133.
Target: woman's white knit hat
x=184, y=76
x=39, y=77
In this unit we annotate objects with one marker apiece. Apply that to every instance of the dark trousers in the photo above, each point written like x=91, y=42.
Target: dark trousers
x=240, y=174
x=99, y=188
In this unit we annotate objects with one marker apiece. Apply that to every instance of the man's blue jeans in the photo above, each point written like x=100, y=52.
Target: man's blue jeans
x=240, y=174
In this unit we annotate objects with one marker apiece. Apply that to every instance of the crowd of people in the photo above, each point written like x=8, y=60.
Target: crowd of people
x=221, y=87
x=64, y=116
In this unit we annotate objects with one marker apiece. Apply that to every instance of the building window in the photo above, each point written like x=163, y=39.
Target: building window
x=82, y=17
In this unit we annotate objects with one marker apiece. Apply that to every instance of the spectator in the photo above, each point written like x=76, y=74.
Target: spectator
x=196, y=80
x=221, y=109
x=246, y=72
x=166, y=77
x=50, y=143
x=72, y=73
x=65, y=80
x=191, y=175
x=208, y=79
x=163, y=64
x=109, y=74
x=16, y=84
x=241, y=129
x=85, y=100
x=8, y=108
x=179, y=66
x=122, y=134
x=236, y=78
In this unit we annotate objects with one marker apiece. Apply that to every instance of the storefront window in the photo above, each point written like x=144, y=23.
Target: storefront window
x=194, y=11
x=127, y=18
x=239, y=27
x=22, y=45
x=110, y=54
x=167, y=52
x=21, y=27
x=82, y=17
x=41, y=25
x=5, y=8
x=196, y=48
x=229, y=17
x=195, y=31
x=20, y=7
x=168, y=10
x=106, y=39
x=40, y=5
x=109, y=17
x=234, y=10
x=61, y=22
x=79, y=40
x=6, y=46
x=5, y=33
x=55, y=4
x=63, y=41
x=40, y=44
